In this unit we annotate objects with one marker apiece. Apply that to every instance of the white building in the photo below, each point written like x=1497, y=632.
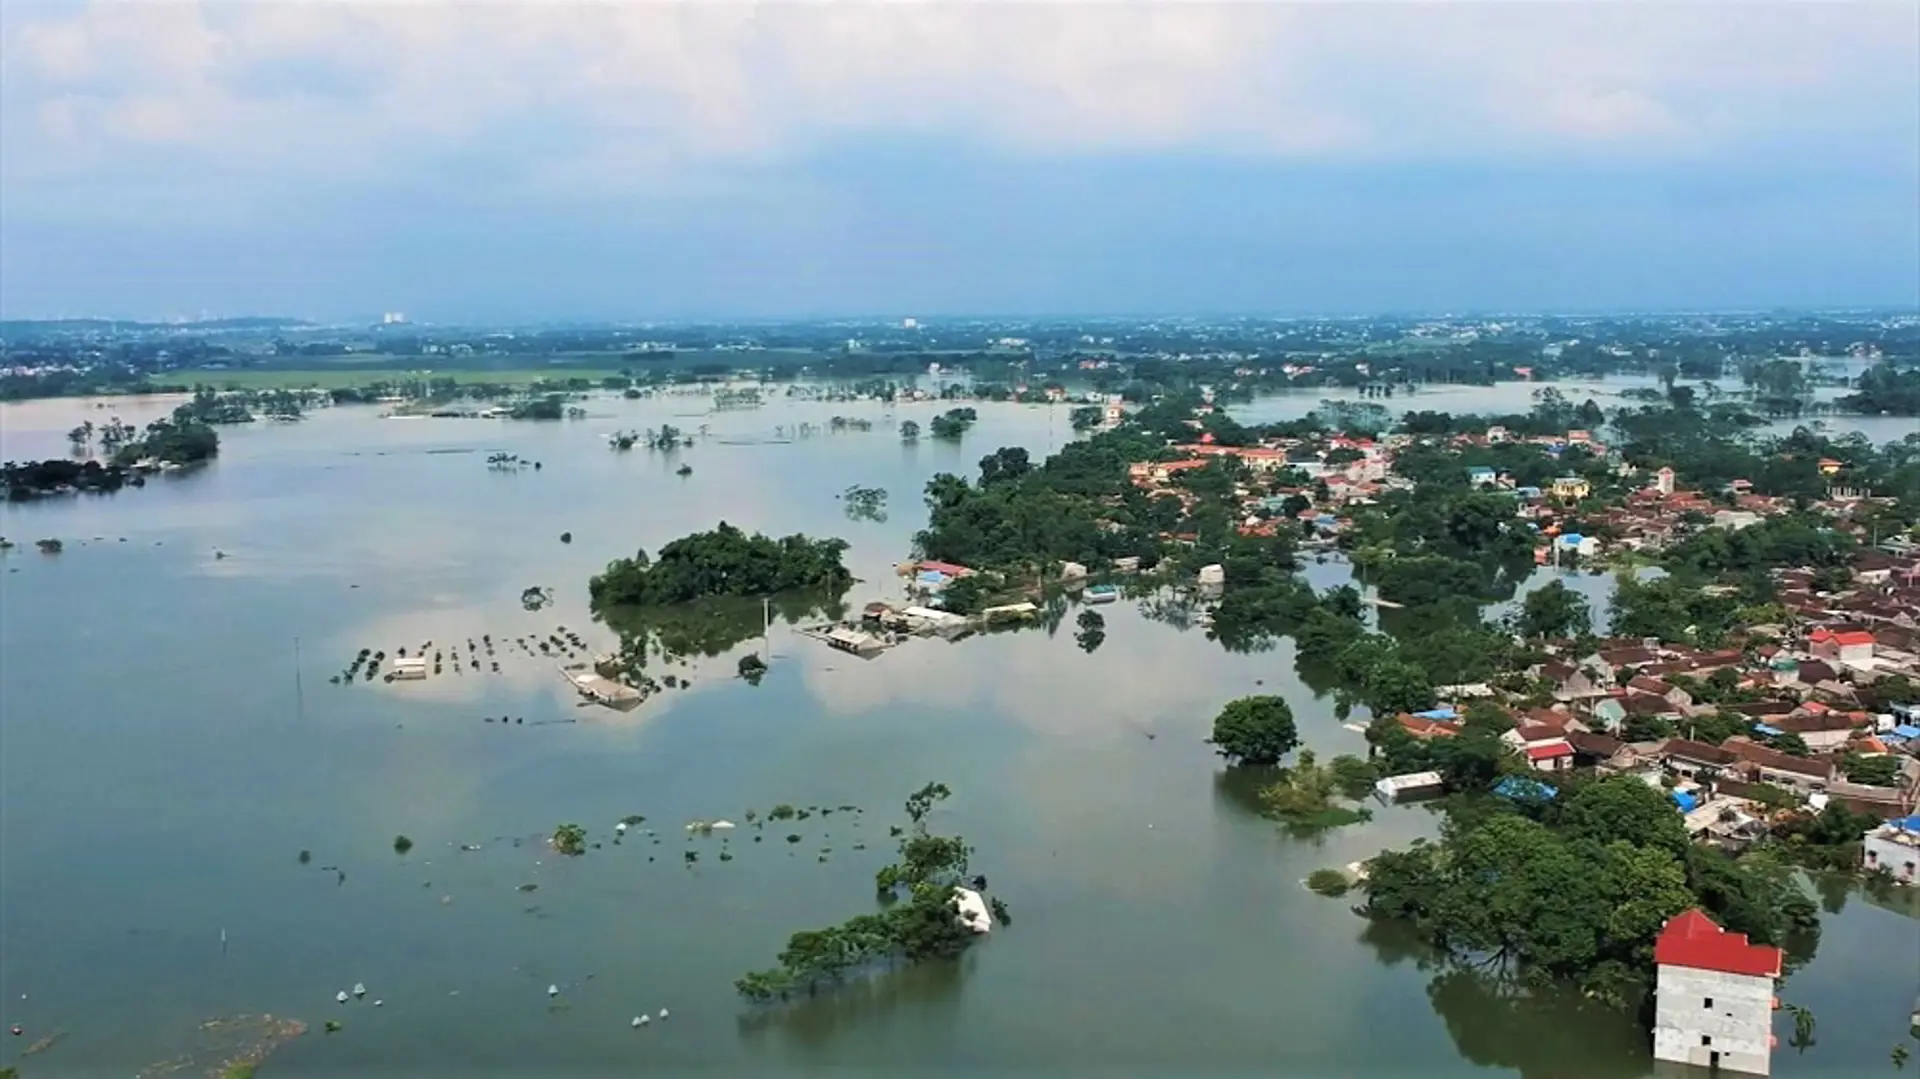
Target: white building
x=1894, y=848
x=1714, y=996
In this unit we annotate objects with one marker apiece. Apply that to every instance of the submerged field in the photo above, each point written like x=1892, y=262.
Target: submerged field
x=194, y=822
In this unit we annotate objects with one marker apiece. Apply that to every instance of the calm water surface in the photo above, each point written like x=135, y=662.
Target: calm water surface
x=161, y=768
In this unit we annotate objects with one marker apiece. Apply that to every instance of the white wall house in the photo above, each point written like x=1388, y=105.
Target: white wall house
x=1894, y=847
x=1714, y=1003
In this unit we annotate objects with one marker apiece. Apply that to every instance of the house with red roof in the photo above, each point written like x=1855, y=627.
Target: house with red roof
x=1544, y=744
x=1844, y=646
x=1714, y=996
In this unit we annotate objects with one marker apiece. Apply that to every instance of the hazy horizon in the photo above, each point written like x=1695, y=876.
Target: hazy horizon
x=709, y=161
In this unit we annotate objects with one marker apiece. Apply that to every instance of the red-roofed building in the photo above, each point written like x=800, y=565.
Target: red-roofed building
x=1846, y=646
x=1544, y=744
x=1714, y=1006
x=1550, y=756
x=1422, y=728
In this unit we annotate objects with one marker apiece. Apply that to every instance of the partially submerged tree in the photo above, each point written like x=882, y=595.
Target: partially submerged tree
x=1255, y=730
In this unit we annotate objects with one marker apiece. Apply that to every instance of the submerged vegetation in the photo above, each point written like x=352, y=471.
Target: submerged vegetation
x=570, y=839
x=1255, y=730
x=919, y=919
x=1305, y=795
x=953, y=424
x=865, y=503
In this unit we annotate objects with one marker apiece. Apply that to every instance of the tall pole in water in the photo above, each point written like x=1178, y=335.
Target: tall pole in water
x=766, y=623
x=299, y=692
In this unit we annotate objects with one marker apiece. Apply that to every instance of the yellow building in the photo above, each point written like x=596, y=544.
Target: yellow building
x=1571, y=488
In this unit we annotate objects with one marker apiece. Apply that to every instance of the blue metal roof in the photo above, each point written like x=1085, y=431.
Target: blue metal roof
x=1438, y=713
x=1762, y=728
x=1687, y=802
x=1907, y=730
x=1522, y=787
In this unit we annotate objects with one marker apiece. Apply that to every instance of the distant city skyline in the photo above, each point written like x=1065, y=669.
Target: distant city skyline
x=716, y=161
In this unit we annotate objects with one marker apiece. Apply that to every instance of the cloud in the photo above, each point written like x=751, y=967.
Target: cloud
x=548, y=155
x=341, y=86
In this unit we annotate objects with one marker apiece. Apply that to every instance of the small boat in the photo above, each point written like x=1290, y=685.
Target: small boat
x=359, y=989
x=1103, y=593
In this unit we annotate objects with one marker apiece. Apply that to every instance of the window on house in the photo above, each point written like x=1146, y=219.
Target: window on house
x=1706, y=1039
x=1708, y=1003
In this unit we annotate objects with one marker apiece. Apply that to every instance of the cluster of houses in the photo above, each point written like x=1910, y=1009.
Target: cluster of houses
x=1807, y=688
x=1715, y=990
x=1354, y=471
x=1357, y=470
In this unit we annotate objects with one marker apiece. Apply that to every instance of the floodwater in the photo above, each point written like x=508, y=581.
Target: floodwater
x=170, y=744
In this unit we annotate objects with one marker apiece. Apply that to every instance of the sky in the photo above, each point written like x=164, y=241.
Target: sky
x=512, y=161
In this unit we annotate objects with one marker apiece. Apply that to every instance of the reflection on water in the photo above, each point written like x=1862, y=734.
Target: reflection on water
x=930, y=990
x=1496, y=1020
x=713, y=627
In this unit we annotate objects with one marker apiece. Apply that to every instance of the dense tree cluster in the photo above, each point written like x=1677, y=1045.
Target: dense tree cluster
x=36, y=479
x=1578, y=887
x=1255, y=730
x=723, y=562
x=952, y=424
x=182, y=438
x=1884, y=390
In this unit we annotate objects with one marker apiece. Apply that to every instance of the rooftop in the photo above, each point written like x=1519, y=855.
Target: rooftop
x=1691, y=939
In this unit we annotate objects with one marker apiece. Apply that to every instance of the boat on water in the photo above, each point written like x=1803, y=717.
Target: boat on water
x=1103, y=593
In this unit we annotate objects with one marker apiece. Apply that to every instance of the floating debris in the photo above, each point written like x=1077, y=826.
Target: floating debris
x=641, y=1020
x=341, y=996
x=663, y=1013
x=359, y=989
x=553, y=990
x=223, y=1045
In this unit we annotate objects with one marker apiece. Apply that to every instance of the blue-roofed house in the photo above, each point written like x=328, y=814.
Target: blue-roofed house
x=1585, y=546
x=1522, y=789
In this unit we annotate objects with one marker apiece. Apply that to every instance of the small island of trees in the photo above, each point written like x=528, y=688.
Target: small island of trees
x=919, y=920
x=953, y=423
x=723, y=562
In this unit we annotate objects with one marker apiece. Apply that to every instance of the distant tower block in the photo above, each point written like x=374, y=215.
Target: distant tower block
x=909, y=323
x=1714, y=996
x=393, y=318
x=1663, y=481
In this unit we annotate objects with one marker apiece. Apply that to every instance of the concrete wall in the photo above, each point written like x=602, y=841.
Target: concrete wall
x=1882, y=851
x=1739, y=1023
